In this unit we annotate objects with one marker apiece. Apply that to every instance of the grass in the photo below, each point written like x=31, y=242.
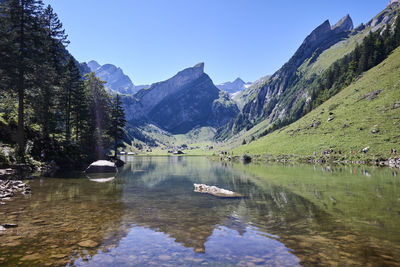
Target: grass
x=354, y=119
x=199, y=138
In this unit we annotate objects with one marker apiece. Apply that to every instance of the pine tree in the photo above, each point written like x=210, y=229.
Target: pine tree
x=118, y=122
x=96, y=138
x=396, y=33
x=21, y=18
x=71, y=85
x=54, y=58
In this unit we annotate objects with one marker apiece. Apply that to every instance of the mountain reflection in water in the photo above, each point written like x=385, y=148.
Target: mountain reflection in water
x=149, y=214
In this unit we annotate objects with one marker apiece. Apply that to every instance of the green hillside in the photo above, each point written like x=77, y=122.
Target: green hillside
x=365, y=114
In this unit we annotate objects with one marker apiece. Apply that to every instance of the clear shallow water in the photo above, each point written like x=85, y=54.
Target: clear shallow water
x=149, y=215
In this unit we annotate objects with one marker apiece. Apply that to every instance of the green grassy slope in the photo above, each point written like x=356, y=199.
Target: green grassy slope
x=354, y=119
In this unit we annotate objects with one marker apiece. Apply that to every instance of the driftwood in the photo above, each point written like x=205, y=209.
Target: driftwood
x=215, y=191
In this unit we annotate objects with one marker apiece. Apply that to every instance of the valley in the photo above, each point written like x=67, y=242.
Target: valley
x=280, y=114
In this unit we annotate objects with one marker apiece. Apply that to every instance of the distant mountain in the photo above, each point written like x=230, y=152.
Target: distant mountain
x=233, y=87
x=114, y=76
x=93, y=65
x=84, y=68
x=184, y=102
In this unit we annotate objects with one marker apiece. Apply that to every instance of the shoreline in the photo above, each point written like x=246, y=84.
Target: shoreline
x=259, y=159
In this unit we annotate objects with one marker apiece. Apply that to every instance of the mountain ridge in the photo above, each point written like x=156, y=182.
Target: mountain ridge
x=284, y=95
x=186, y=101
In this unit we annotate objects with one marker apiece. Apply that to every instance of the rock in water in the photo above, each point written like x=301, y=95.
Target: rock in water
x=10, y=225
x=101, y=166
x=215, y=191
x=88, y=244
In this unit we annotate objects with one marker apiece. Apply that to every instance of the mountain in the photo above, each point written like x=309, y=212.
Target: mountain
x=365, y=114
x=286, y=95
x=186, y=101
x=233, y=87
x=116, y=79
x=83, y=67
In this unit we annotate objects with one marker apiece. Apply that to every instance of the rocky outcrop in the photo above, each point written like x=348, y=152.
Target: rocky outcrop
x=343, y=25
x=184, y=102
x=9, y=189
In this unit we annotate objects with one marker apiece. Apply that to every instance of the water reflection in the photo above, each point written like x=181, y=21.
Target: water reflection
x=100, y=177
x=149, y=214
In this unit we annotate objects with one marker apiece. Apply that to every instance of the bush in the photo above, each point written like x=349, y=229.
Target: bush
x=246, y=158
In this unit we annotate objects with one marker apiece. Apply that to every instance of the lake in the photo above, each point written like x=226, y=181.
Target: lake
x=149, y=214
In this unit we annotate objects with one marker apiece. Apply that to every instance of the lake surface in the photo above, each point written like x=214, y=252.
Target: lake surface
x=149, y=214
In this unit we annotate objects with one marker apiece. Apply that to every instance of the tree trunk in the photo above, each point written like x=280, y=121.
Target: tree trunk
x=68, y=117
x=21, y=73
x=20, y=130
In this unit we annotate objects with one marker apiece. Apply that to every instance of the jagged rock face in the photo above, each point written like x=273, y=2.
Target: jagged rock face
x=233, y=87
x=114, y=76
x=344, y=25
x=268, y=100
x=186, y=101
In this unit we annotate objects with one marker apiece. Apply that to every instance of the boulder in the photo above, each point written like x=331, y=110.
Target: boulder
x=102, y=166
x=119, y=163
x=215, y=191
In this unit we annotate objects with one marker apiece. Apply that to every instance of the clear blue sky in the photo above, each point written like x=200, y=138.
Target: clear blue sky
x=151, y=40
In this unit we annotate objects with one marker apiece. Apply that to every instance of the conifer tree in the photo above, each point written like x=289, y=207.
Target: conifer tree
x=72, y=84
x=118, y=122
x=96, y=138
x=21, y=18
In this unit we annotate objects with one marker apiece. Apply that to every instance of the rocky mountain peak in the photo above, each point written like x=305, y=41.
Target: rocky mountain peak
x=232, y=87
x=200, y=66
x=345, y=24
x=114, y=77
x=93, y=65
x=238, y=81
x=186, y=101
x=188, y=74
x=393, y=1
x=319, y=33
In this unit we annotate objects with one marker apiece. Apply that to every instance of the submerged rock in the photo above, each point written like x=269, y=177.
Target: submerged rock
x=102, y=166
x=215, y=191
x=88, y=244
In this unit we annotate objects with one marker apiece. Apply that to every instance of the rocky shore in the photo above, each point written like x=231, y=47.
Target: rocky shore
x=10, y=188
